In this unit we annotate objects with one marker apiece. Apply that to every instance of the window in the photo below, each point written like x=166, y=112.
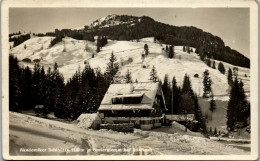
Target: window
x=130, y=99
x=146, y=122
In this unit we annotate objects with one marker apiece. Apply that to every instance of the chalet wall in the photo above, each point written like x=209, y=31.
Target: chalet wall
x=145, y=123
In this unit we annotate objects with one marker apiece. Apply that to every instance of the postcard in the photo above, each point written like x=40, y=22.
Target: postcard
x=146, y=80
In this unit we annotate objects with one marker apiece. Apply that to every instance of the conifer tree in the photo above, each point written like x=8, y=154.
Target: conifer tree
x=128, y=77
x=238, y=107
x=167, y=91
x=212, y=103
x=188, y=49
x=229, y=77
x=26, y=93
x=88, y=77
x=244, y=106
x=214, y=64
x=186, y=87
x=171, y=52
x=165, y=85
x=98, y=44
x=176, y=91
x=208, y=62
x=146, y=49
x=14, y=86
x=153, y=75
x=201, y=126
x=197, y=51
x=206, y=83
x=202, y=56
x=221, y=68
x=186, y=105
x=58, y=81
x=36, y=83
x=42, y=86
x=235, y=71
x=112, y=68
x=50, y=89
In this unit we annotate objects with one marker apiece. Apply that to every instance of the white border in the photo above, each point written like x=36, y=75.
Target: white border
x=253, y=5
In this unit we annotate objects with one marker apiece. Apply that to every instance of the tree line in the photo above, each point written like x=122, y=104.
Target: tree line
x=181, y=100
x=80, y=94
x=19, y=39
x=15, y=33
x=101, y=41
x=238, y=110
x=75, y=34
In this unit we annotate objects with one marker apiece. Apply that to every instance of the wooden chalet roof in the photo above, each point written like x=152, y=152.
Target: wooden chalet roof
x=147, y=90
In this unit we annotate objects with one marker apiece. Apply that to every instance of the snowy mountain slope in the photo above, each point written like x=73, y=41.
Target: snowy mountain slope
x=33, y=45
x=75, y=54
x=67, y=139
x=181, y=64
x=66, y=52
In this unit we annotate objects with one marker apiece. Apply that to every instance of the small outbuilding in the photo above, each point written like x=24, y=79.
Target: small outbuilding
x=89, y=120
x=40, y=110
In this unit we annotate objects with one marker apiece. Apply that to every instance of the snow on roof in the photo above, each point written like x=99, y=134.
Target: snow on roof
x=128, y=95
x=39, y=106
x=126, y=107
x=86, y=120
x=147, y=89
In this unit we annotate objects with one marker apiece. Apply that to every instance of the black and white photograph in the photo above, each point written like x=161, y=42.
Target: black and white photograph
x=130, y=81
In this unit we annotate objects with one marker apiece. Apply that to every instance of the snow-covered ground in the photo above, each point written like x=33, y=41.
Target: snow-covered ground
x=70, y=54
x=48, y=137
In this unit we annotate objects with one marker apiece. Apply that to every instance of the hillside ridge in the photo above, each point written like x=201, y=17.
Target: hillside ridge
x=124, y=27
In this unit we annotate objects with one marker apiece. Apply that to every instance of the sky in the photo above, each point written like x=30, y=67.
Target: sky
x=230, y=24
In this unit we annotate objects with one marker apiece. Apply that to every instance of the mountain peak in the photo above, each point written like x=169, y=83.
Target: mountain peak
x=114, y=19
